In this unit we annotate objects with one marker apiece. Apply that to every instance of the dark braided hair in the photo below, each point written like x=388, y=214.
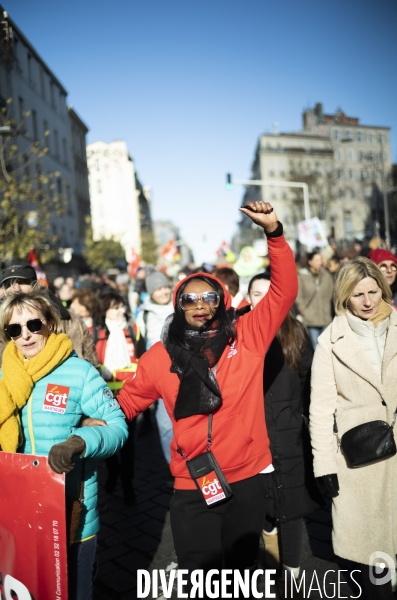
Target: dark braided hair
x=224, y=318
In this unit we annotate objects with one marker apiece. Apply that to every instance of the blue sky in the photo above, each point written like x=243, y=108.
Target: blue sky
x=191, y=85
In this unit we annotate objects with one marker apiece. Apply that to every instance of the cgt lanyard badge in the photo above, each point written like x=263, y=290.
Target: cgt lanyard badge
x=207, y=474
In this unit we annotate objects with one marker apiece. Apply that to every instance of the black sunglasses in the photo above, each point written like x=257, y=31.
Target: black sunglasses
x=189, y=301
x=14, y=330
x=17, y=280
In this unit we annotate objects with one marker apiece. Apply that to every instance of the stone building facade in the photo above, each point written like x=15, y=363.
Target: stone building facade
x=340, y=160
x=117, y=196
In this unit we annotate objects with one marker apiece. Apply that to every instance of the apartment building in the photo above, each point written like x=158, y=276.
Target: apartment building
x=114, y=193
x=343, y=163
x=37, y=102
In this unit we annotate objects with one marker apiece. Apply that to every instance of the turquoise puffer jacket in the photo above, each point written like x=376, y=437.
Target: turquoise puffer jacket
x=53, y=413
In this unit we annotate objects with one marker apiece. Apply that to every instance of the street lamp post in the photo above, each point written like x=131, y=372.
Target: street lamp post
x=265, y=182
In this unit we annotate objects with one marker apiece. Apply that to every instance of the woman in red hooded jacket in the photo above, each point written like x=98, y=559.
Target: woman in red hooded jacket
x=208, y=369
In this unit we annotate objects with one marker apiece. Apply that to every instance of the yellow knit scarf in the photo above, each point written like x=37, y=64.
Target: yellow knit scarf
x=383, y=312
x=19, y=377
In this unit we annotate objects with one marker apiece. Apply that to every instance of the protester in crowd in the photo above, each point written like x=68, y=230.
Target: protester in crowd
x=354, y=380
x=333, y=266
x=122, y=283
x=231, y=281
x=314, y=295
x=156, y=307
x=20, y=278
x=119, y=345
x=85, y=305
x=208, y=368
x=387, y=263
x=287, y=396
x=39, y=358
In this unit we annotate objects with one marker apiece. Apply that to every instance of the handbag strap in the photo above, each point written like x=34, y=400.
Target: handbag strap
x=209, y=438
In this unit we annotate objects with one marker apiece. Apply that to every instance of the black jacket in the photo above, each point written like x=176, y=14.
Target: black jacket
x=287, y=396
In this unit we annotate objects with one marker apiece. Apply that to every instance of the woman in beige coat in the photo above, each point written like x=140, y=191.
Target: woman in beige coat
x=354, y=377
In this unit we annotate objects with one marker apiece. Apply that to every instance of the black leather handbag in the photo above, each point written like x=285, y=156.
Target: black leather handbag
x=368, y=443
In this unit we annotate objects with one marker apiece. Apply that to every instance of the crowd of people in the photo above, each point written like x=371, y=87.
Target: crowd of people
x=254, y=386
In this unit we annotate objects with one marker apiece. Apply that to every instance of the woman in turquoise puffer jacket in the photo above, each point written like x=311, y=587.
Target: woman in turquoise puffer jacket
x=45, y=389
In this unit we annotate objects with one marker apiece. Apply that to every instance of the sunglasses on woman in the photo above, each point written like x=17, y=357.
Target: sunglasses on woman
x=14, y=330
x=189, y=301
x=384, y=267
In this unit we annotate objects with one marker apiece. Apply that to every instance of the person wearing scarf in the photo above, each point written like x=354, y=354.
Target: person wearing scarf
x=45, y=389
x=354, y=382
x=119, y=345
x=209, y=362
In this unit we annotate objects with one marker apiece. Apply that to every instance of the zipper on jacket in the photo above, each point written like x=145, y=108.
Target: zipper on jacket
x=30, y=425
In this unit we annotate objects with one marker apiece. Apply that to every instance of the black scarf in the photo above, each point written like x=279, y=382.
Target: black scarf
x=198, y=392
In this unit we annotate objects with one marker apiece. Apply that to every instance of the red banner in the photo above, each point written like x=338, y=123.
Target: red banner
x=32, y=529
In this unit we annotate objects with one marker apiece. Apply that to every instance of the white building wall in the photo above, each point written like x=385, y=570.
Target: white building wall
x=114, y=197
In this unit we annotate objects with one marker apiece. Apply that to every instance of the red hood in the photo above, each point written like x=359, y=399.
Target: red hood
x=200, y=275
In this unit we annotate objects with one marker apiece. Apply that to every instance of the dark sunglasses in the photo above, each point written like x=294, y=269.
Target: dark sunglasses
x=10, y=282
x=189, y=301
x=14, y=330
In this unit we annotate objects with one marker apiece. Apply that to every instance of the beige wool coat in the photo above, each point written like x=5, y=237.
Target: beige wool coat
x=344, y=382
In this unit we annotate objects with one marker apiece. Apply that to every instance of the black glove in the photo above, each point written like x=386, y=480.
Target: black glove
x=330, y=484
x=60, y=457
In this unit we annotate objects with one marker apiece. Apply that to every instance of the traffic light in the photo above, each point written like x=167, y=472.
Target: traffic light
x=229, y=183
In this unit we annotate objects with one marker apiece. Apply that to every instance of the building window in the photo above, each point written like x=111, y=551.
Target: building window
x=381, y=138
x=15, y=45
x=308, y=168
x=56, y=143
x=65, y=151
x=42, y=83
x=359, y=137
x=20, y=109
x=352, y=194
x=99, y=186
x=46, y=133
x=97, y=165
x=52, y=95
x=338, y=154
x=348, y=223
x=363, y=174
x=270, y=168
x=339, y=174
x=30, y=68
x=61, y=102
x=328, y=167
x=282, y=168
x=361, y=156
x=352, y=174
x=35, y=130
x=336, y=134
x=26, y=165
x=370, y=138
x=319, y=170
x=351, y=154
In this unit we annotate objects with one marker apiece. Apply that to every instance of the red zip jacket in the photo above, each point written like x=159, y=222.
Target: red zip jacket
x=239, y=437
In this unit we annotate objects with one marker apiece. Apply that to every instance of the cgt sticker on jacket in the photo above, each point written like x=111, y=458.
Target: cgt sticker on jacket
x=56, y=398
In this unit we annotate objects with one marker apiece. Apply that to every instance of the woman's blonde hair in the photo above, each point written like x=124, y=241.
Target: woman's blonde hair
x=37, y=299
x=350, y=274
